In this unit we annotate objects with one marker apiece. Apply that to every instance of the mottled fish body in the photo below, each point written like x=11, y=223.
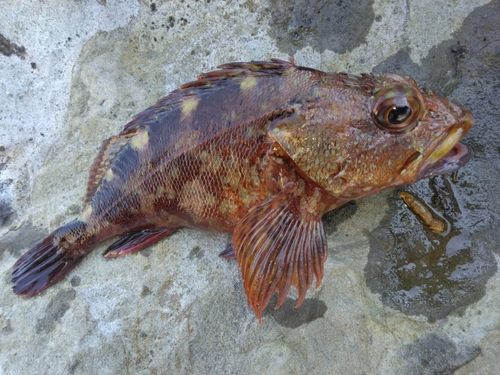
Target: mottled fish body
x=262, y=150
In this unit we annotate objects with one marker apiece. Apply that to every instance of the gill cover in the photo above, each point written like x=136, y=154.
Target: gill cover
x=309, y=142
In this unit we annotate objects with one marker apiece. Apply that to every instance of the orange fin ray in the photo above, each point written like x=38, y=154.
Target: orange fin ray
x=279, y=244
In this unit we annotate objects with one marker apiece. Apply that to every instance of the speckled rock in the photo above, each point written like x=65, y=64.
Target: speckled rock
x=394, y=299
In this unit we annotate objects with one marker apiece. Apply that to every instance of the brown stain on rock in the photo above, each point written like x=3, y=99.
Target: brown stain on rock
x=436, y=354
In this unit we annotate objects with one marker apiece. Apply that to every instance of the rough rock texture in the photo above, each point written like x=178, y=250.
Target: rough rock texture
x=395, y=299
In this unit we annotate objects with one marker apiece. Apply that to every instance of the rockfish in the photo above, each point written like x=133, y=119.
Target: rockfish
x=261, y=150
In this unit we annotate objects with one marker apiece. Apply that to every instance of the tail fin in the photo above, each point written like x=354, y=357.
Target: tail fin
x=50, y=260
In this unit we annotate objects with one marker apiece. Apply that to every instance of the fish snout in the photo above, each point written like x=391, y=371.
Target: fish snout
x=463, y=116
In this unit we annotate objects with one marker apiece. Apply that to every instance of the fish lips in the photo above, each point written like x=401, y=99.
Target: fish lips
x=457, y=157
x=449, y=155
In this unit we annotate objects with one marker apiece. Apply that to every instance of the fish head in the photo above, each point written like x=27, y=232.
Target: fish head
x=363, y=134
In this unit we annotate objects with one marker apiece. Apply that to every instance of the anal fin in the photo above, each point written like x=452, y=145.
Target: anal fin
x=280, y=243
x=228, y=252
x=136, y=241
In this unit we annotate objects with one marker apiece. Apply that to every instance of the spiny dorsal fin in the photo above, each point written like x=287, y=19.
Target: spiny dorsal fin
x=109, y=149
x=227, y=73
x=235, y=69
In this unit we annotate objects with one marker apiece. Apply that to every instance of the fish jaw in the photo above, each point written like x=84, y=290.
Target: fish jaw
x=456, y=158
x=446, y=155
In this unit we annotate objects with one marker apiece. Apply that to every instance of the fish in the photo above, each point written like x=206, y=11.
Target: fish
x=262, y=150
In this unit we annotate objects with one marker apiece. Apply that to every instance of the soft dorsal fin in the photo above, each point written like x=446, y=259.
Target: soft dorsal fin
x=280, y=243
x=109, y=149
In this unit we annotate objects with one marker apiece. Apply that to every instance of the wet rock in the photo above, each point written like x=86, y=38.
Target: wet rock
x=424, y=273
x=434, y=354
x=19, y=240
x=55, y=311
x=413, y=269
x=339, y=26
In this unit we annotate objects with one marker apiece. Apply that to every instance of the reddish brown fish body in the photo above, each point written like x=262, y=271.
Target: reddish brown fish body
x=261, y=149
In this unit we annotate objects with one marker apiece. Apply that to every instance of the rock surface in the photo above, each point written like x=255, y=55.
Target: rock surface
x=394, y=300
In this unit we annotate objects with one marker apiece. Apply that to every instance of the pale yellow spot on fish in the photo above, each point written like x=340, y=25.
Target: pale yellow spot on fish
x=210, y=163
x=87, y=212
x=192, y=199
x=188, y=106
x=244, y=196
x=229, y=180
x=203, y=156
x=303, y=203
x=216, y=163
x=165, y=192
x=140, y=140
x=147, y=204
x=301, y=185
x=109, y=175
x=254, y=176
x=317, y=195
x=174, y=172
x=227, y=207
x=210, y=200
x=248, y=83
x=249, y=132
x=234, y=183
x=312, y=203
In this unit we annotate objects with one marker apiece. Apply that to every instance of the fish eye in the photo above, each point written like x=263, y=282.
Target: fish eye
x=398, y=115
x=397, y=109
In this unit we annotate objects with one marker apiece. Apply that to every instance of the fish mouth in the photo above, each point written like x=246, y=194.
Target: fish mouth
x=449, y=155
x=457, y=157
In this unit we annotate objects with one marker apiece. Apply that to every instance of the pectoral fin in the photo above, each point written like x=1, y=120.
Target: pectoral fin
x=279, y=243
